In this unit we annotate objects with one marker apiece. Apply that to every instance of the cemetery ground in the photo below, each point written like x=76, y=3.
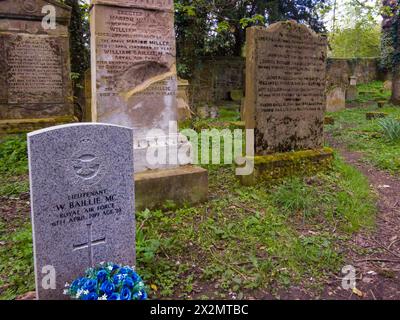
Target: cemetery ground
x=288, y=240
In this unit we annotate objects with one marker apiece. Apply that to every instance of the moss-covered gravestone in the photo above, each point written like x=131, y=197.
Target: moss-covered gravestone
x=285, y=100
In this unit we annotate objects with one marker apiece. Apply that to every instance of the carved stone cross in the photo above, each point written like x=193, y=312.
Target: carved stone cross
x=90, y=244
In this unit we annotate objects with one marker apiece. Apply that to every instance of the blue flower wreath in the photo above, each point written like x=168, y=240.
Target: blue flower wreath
x=108, y=281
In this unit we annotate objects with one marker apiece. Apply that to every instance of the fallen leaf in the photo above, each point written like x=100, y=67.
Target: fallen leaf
x=358, y=292
x=154, y=287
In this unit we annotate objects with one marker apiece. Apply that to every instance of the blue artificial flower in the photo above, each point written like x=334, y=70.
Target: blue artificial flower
x=91, y=296
x=102, y=276
x=140, y=295
x=126, y=294
x=90, y=285
x=143, y=295
x=115, y=267
x=114, y=296
x=117, y=279
x=78, y=283
x=136, y=277
x=128, y=283
x=107, y=287
x=124, y=271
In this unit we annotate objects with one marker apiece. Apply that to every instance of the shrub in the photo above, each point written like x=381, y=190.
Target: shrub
x=390, y=128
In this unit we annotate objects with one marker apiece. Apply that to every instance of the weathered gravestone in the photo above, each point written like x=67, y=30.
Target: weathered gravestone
x=285, y=96
x=82, y=198
x=352, y=91
x=335, y=99
x=134, y=84
x=35, y=84
x=184, y=111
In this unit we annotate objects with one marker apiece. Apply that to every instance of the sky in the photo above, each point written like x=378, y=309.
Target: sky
x=341, y=12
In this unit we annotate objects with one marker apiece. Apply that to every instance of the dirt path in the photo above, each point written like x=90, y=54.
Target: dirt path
x=378, y=262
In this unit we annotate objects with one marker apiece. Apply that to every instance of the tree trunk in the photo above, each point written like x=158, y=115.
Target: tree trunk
x=396, y=66
x=396, y=86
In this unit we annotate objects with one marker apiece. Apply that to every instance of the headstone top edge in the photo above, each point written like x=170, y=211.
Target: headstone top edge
x=126, y=4
x=59, y=4
x=289, y=23
x=82, y=124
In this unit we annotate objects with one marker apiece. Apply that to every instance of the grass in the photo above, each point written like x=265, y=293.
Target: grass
x=13, y=165
x=372, y=91
x=352, y=129
x=358, y=134
x=16, y=266
x=243, y=240
x=247, y=239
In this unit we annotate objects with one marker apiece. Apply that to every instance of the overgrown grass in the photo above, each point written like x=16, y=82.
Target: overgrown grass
x=242, y=240
x=390, y=128
x=16, y=263
x=372, y=91
x=252, y=238
x=13, y=165
x=358, y=134
x=13, y=155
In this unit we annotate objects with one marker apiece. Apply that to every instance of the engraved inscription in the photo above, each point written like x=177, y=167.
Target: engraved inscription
x=291, y=74
x=86, y=206
x=286, y=73
x=133, y=46
x=148, y=4
x=34, y=69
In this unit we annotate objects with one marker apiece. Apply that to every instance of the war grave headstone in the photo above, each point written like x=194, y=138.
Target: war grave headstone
x=82, y=202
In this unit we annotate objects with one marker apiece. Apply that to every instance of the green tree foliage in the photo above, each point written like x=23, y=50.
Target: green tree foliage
x=360, y=41
x=217, y=27
x=357, y=33
x=79, y=37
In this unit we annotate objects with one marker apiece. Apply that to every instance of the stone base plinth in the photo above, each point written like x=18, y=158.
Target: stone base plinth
x=274, y=167
x=183, y=185
x=11, y=126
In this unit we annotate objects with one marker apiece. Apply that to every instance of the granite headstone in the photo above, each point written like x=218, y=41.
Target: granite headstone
x=82, y=201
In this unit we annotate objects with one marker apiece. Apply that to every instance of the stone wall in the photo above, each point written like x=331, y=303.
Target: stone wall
x=214, y=79
x=339, y=71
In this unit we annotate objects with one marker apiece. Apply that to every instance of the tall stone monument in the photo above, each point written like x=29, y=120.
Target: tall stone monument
x=134, y=84
x=35, y=84
x=285, y=98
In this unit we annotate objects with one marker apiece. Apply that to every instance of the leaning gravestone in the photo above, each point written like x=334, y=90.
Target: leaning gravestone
x=82, y=198
x=35, y=84
x=285, y=95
